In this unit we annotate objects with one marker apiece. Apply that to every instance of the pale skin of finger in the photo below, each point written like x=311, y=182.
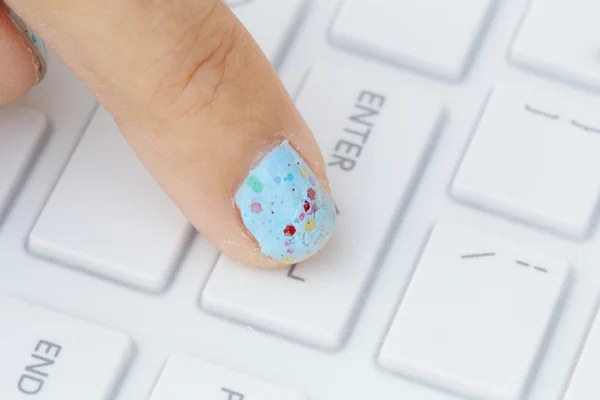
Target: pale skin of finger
x=19, y=66
x=192, y=93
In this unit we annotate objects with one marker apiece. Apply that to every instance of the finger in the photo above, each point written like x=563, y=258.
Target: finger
x=20, y=66
x=207, y=115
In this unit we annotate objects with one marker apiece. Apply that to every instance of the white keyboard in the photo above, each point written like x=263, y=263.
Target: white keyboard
x=475, y=124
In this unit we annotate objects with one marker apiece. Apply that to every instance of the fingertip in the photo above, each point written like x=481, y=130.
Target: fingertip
x=278, y=215
x=285, y=207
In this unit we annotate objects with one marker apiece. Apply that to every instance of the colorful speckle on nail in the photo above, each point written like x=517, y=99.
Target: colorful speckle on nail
x=306, y=206
x=255, y=184
x=271, y=206
x=289, y=230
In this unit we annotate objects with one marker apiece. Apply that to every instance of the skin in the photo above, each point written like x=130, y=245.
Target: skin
x=189, y=88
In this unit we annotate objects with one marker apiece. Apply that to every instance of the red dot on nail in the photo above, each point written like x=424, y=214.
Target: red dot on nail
x=272, y=212
x=311, y=193
x=306, y=206
x=289, y=230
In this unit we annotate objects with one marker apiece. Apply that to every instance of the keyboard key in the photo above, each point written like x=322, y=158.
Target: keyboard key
x=585, y=384
x=108, y=216
x=186, y=378
x=374, y=136
x=545, y=44
x=534, y=157
x=475, y=316
x=21, y=133
x=283, y=17
x=49, y=356
x=417, y=34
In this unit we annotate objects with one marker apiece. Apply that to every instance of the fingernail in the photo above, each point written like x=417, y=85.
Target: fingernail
x=285, y=207
x=33, y=41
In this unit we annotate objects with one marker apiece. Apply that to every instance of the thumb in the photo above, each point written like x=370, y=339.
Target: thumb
x=205, y=112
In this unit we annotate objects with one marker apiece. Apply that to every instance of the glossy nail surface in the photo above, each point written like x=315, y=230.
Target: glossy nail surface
x=285, y=207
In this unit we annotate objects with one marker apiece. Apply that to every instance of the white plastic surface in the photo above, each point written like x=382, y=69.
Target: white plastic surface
x=49, y=356
x=428, y=35
x=186, y=378
x=585, y=384
x=535, y=157
x=271, y=22
x=475, y=315
x=21, y=130
x=560, y=38
x=385, y=143
x=108, y=216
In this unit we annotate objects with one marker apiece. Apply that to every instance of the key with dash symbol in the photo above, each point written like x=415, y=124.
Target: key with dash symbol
x=478, y=255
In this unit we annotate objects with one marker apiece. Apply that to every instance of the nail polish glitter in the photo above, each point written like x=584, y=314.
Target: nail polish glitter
x=285, y=207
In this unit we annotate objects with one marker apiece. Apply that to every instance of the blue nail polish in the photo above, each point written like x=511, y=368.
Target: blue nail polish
x=285, y=207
